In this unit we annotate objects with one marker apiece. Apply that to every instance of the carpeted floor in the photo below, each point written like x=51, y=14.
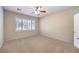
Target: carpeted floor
x=37, y=44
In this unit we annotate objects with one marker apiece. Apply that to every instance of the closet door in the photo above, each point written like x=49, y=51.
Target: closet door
x=1, y=26
x=76, y=30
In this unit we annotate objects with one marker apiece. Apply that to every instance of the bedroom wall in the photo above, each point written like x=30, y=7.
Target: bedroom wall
x=10, y=27
x=1, y=27
x=59, y=25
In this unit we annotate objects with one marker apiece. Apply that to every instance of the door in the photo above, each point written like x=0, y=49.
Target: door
x=1, y=26
x=76, y=30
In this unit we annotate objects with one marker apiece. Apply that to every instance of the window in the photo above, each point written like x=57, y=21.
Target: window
x=18, y=24
x=29, y=25
x=33, y=25
x=23, y=24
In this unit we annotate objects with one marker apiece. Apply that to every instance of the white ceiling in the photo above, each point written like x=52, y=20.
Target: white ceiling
x=27, y=10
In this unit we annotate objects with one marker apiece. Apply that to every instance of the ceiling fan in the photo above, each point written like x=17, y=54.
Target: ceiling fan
x=38, y=11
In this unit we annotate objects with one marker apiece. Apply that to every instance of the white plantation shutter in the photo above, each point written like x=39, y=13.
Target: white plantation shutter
x=24, y=24
x=33, y=24
x=29, y=25
x=18, y=24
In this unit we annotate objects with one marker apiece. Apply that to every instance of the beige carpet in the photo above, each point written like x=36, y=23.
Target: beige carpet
x=37, y=44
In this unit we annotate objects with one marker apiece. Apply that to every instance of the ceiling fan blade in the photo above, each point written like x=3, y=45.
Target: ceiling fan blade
x=43, y=11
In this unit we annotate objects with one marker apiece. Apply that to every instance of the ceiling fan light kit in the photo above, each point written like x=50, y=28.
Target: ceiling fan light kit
x=37, y=10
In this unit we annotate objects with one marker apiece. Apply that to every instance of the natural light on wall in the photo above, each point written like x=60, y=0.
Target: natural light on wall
x=24, y=24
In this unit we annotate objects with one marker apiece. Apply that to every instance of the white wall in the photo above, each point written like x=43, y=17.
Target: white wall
x=1, y=26
x=10, y=28
x=59, y=25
